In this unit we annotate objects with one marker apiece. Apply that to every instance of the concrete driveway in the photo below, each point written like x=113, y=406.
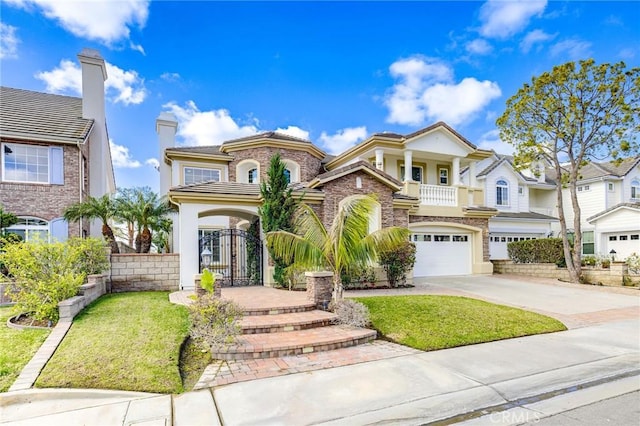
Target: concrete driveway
x=576, y=305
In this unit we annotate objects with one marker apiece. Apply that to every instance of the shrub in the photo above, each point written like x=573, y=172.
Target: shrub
x=214, y=321
x=398, y=262
x=350, y=312
x=633, y=262
x=544, y=250
x=208, y=280
x=46, y=273
x=356, y=276
x=589, y=260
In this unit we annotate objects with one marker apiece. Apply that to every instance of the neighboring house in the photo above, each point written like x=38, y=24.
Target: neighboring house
x=54, y=152
x=525, y=202
x=609, y=198
x=416, y=179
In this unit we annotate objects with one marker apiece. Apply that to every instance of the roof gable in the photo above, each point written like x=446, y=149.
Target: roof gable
x=364, y=166
x=635, y=207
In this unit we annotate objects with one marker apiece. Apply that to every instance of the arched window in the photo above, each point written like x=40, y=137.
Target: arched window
x=31, y=229
x=635, y=189
x=252, y=176
x=502, y=192
x=287, y=175
x=292, y=170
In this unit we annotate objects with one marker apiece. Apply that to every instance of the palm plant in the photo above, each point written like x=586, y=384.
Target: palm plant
x=150, y=209
x=125, y=205
x=102, y=208
x=346, y=244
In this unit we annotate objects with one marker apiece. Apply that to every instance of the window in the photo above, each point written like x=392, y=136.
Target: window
x=624, y=237
x=421, y=237
x=443, y=176
x=287, y=175
x=460, y=238
x=588, y=247
x=442, y=238
x=635, y=189
x=635, y=237
x=520, y=190
x=613, y=238
x=502, y=193
x=32, y=163
x=416, y=173
x=30, y=229
x=196, y=175
x=252, y=176
x=610, y=187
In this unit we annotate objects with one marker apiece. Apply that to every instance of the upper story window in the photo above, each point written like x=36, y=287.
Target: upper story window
x=31, y=229
x=197, y=175
x=252, y=176
x=443, y=176
x=635, y=189
x=611, y=187
x=520, y=190
x=32, y=163
x=287, y=175
x=584, y=188
x=292, y=170
x=416, y=173
x=502, y=193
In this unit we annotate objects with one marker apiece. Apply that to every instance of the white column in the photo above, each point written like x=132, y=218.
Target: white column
x=408, y=165
x=166, y=127
x=472, y=174
x=380, y=159
x=455, y=171
x=189, y=257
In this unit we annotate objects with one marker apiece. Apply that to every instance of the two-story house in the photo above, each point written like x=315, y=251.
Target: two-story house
x=54, y=151
x=416, y=179
x=609, y=198
x=525, y=202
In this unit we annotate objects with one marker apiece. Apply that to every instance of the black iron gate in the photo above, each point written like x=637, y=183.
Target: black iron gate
x=234, y=254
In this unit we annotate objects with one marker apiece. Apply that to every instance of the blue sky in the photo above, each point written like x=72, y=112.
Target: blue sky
x=332, y=72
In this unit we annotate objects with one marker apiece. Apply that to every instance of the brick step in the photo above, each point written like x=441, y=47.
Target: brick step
x=271, y=345
x=278, y=309
x=256, y=324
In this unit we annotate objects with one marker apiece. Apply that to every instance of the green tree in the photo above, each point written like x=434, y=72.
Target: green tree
x=567, y=117
x=277, y=210
x=102, y=208
x=6, y=220
x=125, y=205
x=150, y=209
x=346, y=244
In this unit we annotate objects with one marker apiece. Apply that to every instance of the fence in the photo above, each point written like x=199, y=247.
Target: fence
x=145, y=272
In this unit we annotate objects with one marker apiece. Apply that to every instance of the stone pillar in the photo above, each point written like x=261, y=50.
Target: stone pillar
x=618, y=270
x=379, y=159
x=408, y=165
x=455, y=170
x=319, y=288
x=217, y=289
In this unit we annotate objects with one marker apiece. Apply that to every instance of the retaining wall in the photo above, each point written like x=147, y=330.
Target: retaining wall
x=145, y=272
x=94, y=288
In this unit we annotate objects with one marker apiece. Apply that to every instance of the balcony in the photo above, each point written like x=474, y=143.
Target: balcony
x=438, y=195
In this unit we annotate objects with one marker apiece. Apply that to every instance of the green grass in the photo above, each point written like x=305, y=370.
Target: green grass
x=127, y=341
x=17, y=347
x=437, y=322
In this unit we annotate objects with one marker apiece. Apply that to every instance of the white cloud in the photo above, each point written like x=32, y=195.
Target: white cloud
x=122, y=157
x=342, y=139
x=207, y=127
x=121, y=86
x=426, y=90
x=479, y=46
x=573, y=49
x=8, y=41
x=501, y=19
x=534, y=37
x=294, y=131
x=627, y=53
x=101, y=20
x=137, y=47
x=153, y=162
x=491, y=141
x=170, y=76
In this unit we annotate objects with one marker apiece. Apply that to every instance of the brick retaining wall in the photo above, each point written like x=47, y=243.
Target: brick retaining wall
x=144, y=272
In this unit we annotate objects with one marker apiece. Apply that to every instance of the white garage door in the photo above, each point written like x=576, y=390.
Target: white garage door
x=498, y=243
x=623, y=243
x=442, y=254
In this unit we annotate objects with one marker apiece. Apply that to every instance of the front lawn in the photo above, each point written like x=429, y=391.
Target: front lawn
x=438, y=322
x=127, y=341
x=17, y=347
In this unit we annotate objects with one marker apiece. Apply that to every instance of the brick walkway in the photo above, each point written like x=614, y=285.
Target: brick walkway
x=225, y=372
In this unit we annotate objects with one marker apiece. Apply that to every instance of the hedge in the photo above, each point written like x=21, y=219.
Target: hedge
x=544, y=250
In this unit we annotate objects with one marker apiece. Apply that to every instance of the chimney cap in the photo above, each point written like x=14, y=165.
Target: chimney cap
x=92, y=57
x=167, y=119
x=90, y=53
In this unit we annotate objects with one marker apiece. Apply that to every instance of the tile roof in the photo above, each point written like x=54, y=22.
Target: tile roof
x=25, y=114
x=267, y=135
x=230, y=188
x=525, y=215
x=206, y=150
x=595, y=170
x=446, y=126
x=357, y=165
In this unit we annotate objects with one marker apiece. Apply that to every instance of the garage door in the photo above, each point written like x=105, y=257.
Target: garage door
x=498, y=243
x=624, y=244
x=442, y=254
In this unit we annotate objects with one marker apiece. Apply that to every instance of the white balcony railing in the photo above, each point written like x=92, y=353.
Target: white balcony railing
x=436, y=195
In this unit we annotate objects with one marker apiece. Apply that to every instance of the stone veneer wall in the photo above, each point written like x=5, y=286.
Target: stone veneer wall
x=95, y=287
x=613, y=276
x=475, y=222
x=143, y=272
x=310, y=166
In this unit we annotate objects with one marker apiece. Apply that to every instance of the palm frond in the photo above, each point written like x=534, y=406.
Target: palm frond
x=296, y=249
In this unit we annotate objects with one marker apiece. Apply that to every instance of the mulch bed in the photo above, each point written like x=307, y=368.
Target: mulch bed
x=25, y=320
